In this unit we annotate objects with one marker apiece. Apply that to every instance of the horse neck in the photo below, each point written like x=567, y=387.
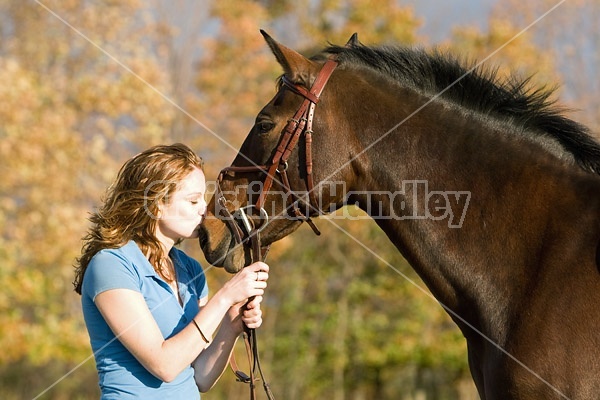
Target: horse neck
x=470, y=206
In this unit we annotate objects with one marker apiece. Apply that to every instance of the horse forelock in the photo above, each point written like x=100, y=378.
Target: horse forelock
x=480, y=90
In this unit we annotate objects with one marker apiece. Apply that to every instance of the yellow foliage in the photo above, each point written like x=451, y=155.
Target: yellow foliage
x=567, y=32
x=507, y=49
x=380, y=21
x=70, y=115
x=85, y=85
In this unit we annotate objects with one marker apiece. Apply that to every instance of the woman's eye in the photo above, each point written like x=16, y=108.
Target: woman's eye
x=264, y=126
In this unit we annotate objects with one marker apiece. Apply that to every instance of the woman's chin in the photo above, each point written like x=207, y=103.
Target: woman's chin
x=195, y=234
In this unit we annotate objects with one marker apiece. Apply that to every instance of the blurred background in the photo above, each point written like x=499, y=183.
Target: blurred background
x=85, y=85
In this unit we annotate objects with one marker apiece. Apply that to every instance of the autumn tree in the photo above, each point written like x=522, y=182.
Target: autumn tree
x=507, y=49
x=71, y=112
x=567, y=32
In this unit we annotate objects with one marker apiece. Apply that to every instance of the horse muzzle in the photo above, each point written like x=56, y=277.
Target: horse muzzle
x=220, y=248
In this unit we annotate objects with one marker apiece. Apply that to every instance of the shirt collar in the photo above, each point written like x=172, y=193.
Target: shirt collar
x=139, y=259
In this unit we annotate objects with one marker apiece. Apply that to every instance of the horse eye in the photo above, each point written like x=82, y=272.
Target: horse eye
x=264, y=127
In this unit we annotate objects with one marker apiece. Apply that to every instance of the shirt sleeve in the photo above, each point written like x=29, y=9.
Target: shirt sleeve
x=107, y=271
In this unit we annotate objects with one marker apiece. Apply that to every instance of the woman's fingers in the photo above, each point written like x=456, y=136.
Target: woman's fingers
x=254, y=303
x=252, y=318
x=249, y=282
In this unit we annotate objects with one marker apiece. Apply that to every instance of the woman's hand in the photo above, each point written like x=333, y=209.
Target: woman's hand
x=248, y=314
x=252, y=313
x=249, y=282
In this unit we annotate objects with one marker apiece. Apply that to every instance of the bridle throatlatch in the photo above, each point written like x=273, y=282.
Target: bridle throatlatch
x=248, y=233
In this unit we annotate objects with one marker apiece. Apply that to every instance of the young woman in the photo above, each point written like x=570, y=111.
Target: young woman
x=145, y=302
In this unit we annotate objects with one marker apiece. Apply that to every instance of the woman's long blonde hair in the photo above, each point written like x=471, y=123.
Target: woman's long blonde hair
x=130, y=207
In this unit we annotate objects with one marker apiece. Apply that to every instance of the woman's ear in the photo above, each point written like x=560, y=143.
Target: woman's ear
x=159, y=210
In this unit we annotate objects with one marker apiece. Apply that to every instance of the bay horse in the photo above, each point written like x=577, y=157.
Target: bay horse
x=485, y=187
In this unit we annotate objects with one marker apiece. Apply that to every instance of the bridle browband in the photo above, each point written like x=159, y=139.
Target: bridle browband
x=301, y=123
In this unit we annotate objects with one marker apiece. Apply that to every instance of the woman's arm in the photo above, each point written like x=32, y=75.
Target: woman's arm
x=212, y=362
x=127, y=314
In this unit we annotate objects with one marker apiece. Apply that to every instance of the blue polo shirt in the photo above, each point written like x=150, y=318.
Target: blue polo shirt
x=121, y=376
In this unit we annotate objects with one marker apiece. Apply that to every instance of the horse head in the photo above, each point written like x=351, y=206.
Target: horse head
x=276, y=182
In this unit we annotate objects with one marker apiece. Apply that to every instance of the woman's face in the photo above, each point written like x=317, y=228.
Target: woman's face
x=180, y=216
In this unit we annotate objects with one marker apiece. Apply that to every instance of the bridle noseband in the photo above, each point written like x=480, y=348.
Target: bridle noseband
x=301, y=123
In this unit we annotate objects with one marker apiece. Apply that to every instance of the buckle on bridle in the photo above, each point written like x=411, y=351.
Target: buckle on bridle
x=242, y=377
x=248, y=223
x=282, y=167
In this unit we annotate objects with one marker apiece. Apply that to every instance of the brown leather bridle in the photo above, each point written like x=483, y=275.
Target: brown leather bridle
x=300, y=124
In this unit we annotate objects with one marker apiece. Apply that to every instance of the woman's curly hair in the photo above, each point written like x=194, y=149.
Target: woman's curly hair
x=130, y=206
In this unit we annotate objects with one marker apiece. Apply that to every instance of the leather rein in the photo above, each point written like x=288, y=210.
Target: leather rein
x=247, y=232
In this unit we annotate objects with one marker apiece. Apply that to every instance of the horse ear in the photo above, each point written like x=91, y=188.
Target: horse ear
x=353, y=41
x=295, y=66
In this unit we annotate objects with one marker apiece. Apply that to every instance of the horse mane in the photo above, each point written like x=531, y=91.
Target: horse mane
x=480, y=90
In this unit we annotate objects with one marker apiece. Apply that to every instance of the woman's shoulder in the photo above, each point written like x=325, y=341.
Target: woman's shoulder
x=126, y=254
x=120, y=267
x=127, y=258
